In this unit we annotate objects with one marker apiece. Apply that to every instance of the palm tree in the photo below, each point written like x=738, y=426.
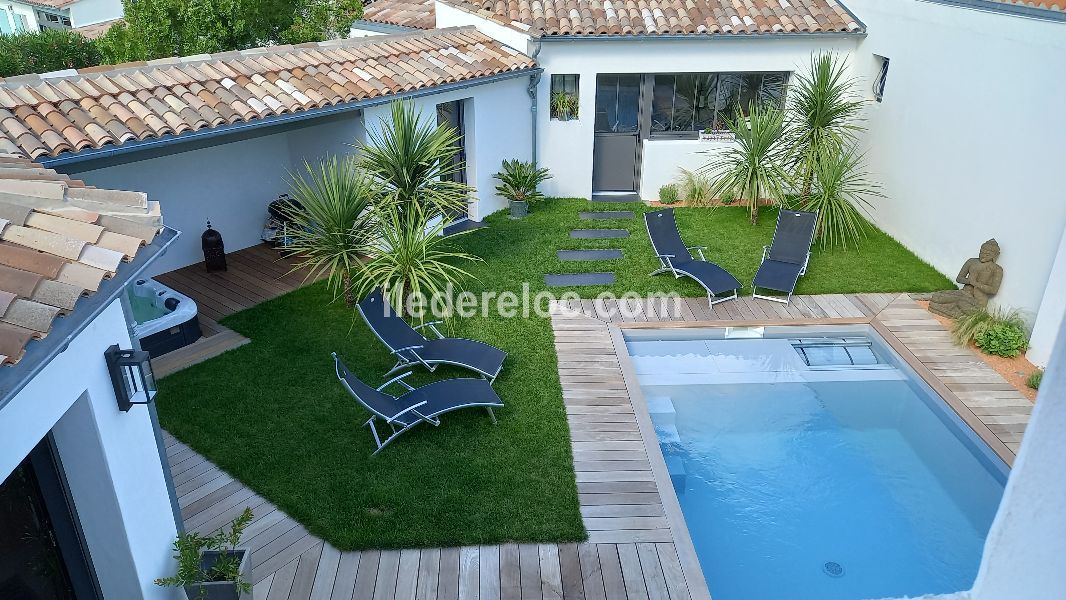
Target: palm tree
x=823, y=113
x=753, y=168
x=412, y=160
x=412, y=257
x=333, y=221
x=840, y=190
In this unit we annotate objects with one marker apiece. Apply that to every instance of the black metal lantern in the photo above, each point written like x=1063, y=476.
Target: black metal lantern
x=214, y=249
x=131, y=374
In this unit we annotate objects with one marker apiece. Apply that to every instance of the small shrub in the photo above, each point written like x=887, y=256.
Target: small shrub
x=727, y=199
x=966, y=328
x=189, y=545
x=695, y=189
x=668, y=193
x=520, y=181
x=1001, y=338
x=1034, y=379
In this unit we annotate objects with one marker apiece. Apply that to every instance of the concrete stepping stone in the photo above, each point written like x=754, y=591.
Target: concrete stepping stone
x=607, y=215
x=576, y=279
x=599, y=234
x=571, y=255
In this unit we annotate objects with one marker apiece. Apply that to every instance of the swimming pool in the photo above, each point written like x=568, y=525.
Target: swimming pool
x=815, y=463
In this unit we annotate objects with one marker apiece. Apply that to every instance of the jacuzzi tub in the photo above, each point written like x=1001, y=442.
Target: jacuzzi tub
x=165, y=319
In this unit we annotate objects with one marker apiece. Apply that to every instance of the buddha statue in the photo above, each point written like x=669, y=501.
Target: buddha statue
x=980, y=278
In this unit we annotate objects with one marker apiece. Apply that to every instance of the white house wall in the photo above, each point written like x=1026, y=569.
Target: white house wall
x=966, y=143
x=230, y=184
x=498, y=128
x=447, y=15
x=90, y=12
x=566, y=146
x=110, y=460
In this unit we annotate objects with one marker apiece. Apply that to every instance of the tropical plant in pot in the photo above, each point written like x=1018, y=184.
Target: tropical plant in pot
x=212, y=567
x=519, y=183
x=563, y=106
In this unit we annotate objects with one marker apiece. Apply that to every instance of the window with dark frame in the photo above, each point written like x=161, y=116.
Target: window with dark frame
x=881, y=79
x=564, y=88
x=684, y=104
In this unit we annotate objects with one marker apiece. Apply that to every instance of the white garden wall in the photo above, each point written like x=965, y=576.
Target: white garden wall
x=110, y=459
x=497, y=128
x=230, y=184
x=968, y=141
x=566, y=146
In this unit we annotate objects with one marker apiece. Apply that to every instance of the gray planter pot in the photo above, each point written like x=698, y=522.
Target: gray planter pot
x=220, y=590
x=519, y=209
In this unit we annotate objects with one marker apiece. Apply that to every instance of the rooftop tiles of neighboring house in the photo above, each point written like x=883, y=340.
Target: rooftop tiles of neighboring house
x=1055, y=5
x=59, y=239
x=43, y=116
x=658, y=17
x=418, y=14
x=97, y=29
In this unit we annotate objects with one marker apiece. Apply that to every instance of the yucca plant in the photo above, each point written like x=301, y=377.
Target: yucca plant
x=412, y=257
x=563, y=105
x=823, y=116
x=840, y=192
x=333, y=221
x=412, y=160
x=520, y=181
x=753, y=168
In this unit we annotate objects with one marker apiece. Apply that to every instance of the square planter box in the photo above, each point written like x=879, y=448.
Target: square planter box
x=220, y=590
x=519, y=209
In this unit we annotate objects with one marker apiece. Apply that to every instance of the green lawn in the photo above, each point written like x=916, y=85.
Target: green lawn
x=273, y=414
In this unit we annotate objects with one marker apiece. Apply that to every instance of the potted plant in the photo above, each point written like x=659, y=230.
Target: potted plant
x=563, y=106
x=213, y=567
x=518, y=183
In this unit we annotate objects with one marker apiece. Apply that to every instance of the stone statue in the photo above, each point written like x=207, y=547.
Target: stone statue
x=980, y=278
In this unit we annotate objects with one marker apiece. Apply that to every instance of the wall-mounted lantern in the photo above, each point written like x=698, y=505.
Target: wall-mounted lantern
x=131, y=374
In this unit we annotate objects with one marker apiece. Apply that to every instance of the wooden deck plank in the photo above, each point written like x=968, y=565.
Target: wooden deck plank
x=325, y=573
x=428, y=574
x=305, y=573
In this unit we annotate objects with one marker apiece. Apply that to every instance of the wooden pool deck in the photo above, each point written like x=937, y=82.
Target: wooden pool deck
x=638, y=547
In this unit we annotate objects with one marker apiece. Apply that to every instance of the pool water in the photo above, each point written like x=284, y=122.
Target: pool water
x=817, y=482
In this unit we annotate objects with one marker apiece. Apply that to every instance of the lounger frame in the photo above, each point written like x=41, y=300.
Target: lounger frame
x=667, y=265
x=765, y=255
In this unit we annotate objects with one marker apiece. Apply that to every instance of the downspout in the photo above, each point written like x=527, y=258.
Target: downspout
x=534, y=81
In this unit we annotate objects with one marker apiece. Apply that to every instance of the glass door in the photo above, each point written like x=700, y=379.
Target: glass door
x=40, y=553
x=451, y=114
x=617, y=137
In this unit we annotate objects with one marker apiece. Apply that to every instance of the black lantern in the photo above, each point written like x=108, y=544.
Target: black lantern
x=131, y=374
x=214, y=250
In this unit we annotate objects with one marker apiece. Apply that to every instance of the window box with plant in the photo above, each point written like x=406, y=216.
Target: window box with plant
x=519, y=183
x=213, y=567
x=563, y=102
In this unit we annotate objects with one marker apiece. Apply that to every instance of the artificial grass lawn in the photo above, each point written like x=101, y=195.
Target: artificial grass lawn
x=272, y=413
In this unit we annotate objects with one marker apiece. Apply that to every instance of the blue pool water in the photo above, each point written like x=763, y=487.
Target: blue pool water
x=832, y=482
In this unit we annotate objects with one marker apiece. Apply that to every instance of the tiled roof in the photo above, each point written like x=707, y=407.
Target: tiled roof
x=657, y=17
x=53, y=3
x=1053, y=5
x=59, y=240
x=419, y=14
x=96, y=29
x=46, y=116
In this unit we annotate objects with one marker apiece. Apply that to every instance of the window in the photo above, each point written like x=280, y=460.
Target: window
x=617, y=103
x=686, y=103
x=882, y=77
x=564, y=97
x=66, y=21
x=5, y=25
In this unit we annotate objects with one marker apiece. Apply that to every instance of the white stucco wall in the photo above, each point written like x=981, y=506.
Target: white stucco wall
x=28, y=11
x=90, y=12
x=497, y=128
x=110, y=459
x=230, y=184
x=566, y=146
x=965, y=142
x=448, y=15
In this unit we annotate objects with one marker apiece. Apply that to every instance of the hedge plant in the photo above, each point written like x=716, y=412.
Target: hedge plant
x=45, y=51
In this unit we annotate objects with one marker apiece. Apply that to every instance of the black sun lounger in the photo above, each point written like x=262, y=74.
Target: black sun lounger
x=418, y=405
x=785, y=259
x=676, y=258
x=412, y=348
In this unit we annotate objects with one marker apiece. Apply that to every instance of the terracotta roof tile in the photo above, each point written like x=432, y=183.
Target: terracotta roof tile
x=1052, y=5
x=60, y=240
x=46, y=116
x=658, y=17
x=417, y=14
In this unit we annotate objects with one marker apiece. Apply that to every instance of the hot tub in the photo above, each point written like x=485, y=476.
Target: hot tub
x=165, y=319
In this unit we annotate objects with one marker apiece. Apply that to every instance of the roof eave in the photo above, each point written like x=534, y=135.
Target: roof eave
x=39, y=353
x=1018, y=10
x=702, y=36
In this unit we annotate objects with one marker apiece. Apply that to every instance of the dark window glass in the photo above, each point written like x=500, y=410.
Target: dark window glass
x=662, y=103
x=617, y=103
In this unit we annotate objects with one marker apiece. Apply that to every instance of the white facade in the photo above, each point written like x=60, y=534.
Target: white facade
x=23, y=16
x=91, y=12
x=231, y=183
x=109, y=458
x=965, y=143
